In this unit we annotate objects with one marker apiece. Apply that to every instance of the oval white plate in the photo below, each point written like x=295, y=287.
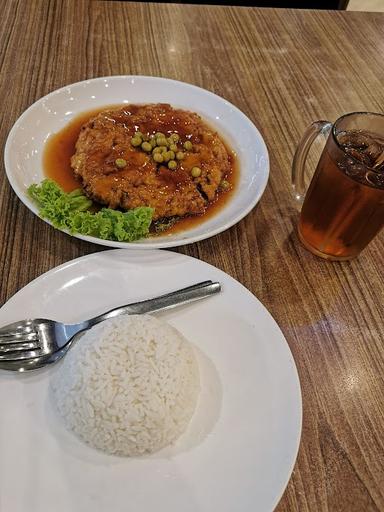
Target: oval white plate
x=25, y=143
x=241, y=445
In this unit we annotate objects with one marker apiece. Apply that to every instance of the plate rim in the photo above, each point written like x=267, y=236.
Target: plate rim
x=284, y=343
x=137, y=245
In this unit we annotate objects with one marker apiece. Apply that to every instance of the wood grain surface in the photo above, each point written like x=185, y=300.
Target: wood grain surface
x=283, y=69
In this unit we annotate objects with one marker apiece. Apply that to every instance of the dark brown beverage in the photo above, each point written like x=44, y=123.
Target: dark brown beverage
x=344, y=206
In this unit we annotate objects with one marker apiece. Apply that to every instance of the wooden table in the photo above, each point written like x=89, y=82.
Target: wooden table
x=284, y=69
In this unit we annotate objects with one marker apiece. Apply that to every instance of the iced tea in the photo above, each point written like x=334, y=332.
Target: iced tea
x=344, y=206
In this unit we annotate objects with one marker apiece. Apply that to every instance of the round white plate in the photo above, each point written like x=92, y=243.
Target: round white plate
x=25, y=143
x=240, y=448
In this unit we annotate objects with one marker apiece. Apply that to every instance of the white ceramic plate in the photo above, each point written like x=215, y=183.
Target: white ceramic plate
x=241, y=445
x=25, y=144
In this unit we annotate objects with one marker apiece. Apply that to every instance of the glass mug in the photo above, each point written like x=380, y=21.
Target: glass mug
x=343, y=208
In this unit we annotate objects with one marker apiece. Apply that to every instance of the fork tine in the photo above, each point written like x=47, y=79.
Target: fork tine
x=21, y=327
x=18, y=338
x=20, y=356
x=14, y=347
x=18, y=366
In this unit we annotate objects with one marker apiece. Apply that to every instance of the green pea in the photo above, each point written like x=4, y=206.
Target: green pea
x=161, y=141
x=156, y=150
x=172, y=164
x=180, y=155
x=225, y=184
x=171, y=154
x=158, y=157
x=173, y=147
x=163, y=149
x=175, y=137
x=136, y=141
x=146, y=146
x=167, y=156
x=196, y=172
x=188, y=145
x=120, y=163
x=139, y=134
x=153, y=142
x=159, y=134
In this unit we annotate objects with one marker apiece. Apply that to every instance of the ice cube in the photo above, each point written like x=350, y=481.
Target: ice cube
x=366, y=147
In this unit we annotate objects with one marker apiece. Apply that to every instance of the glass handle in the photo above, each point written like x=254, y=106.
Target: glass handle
x=298, y=166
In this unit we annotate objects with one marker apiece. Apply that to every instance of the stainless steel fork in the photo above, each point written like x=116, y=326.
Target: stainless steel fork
x=31, y=344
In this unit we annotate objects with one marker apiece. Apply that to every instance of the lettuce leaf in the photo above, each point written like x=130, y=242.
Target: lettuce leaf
x=70, y=212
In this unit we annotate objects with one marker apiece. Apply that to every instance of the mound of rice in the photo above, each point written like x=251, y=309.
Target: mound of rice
x=129, y=386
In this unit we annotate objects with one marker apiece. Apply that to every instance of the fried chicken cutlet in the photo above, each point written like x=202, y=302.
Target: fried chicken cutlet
x=106, y=139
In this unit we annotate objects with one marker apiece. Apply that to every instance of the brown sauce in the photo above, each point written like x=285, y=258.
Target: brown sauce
x=57, y=166
x=214, y=207
x=59, y=149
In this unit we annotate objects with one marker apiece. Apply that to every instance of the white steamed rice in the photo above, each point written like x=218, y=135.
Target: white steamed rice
x=129, y=386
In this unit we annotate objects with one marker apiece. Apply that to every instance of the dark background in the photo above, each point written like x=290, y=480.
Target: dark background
x=287, y=4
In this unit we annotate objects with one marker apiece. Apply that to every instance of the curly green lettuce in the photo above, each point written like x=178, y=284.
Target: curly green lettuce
x=70, y=212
